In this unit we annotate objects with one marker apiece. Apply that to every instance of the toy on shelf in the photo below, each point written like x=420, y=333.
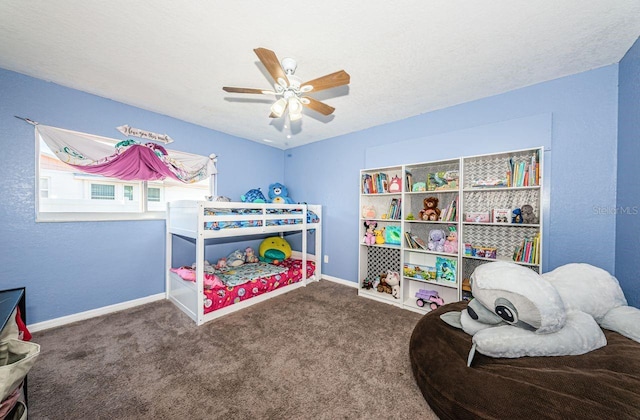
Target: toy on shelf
x=395, y=185
x=430, y=298
x=382, y=286
x=516, y=216
x=368, y=212
x=369, y=236
x=528, y=216
x=419, y=186
x=379, y=236
x=437, y=240
x=278, y=193
x=430, y=210
x=253, y=196
x=393, y=280
x=451, y=244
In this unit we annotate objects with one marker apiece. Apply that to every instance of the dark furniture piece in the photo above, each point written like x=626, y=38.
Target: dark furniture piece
x=602, y=384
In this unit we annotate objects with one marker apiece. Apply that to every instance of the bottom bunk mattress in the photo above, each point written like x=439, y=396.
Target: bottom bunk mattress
x=246, y=281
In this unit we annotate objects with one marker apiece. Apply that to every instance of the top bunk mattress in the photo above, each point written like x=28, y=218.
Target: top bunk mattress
x=222, y=218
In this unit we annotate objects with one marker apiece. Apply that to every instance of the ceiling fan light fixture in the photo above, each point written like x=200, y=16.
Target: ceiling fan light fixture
x=278, y=107
x=295, y=108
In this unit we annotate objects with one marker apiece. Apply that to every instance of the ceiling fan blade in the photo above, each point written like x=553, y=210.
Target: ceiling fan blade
x=247, y=90
x=329, y=81
x=271, y=63
x=317, y=106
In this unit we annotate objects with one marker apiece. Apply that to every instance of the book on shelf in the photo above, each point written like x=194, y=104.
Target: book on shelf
x=449, y=213
x=376, y=183
x=395, y=207
x=528, y=251
x=446, y=269
x=501, y=215
x=410, y=243
x=408, y=181
x=525, y=173
x=421, y=244
x=443, y=180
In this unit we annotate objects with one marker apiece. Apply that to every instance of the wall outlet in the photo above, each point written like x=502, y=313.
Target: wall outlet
x=326, y=259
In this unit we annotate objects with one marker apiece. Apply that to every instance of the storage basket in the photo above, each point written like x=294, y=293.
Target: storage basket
x=16, y=359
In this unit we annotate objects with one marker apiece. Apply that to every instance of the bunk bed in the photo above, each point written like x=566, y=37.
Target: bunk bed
x=199, y=221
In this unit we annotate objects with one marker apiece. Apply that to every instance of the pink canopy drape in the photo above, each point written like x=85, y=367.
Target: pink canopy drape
x=127, y=160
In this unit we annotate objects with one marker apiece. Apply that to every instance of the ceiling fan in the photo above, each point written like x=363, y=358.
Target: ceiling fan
x=290, y=89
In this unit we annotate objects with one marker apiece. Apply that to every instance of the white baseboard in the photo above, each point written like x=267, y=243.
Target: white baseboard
x=341, y=281
x=81, y=316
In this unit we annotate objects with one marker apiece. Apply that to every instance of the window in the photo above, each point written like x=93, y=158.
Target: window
x=153, y=194
x=66, y=194
x=128, y=192
x=44, y=187
x=103, y=192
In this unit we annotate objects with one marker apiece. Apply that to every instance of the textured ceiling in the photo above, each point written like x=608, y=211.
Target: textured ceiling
x=405, y=58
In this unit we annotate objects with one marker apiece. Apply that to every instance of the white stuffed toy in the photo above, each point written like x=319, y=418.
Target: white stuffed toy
x=517, y=312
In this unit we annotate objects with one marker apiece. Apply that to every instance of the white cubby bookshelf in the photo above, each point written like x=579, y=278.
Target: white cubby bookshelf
x=476, y=185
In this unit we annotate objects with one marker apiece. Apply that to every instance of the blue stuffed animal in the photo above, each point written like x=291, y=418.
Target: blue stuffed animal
x=278, y=193
x=253, y=196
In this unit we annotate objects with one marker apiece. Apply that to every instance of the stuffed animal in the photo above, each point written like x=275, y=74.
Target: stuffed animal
x=395, y=185
x=528, y=216
x=431, y=210
x=235, y=259
x=368, y=212
x=250, y=256
x=221, y=264
x=278, y=193
x=516, y=216
x=369, y=236
x=274, y=249
x=382, y=285
x=379, y=236
x=517, y=312
x=451, y=244
x=253, y=196
x=437, y=239
x=393, y=280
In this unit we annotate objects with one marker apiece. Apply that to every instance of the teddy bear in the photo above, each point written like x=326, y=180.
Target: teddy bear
x=278, y=193
x=369, y=236
x=379, y=236
x=528, y=216
x=451, y=244
x=437, y=239
x=382, y=285
x=431, y=210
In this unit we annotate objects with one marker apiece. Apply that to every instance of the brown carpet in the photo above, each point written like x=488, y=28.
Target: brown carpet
x=318, y=352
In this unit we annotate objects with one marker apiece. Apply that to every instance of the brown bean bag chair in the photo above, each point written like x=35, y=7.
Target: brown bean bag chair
x=602, y=384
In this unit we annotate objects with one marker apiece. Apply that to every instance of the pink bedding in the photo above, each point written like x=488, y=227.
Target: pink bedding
x=222, y=296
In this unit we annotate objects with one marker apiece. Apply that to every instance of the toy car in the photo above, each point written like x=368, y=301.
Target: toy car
x=429, y=297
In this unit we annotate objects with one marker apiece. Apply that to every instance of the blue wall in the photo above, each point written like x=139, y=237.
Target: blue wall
x=628, y=205
x=74, y=267
x=581, y=165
